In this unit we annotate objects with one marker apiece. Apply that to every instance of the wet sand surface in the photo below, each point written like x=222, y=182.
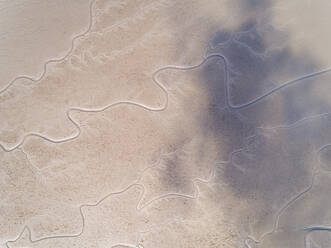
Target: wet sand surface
x=165, y=123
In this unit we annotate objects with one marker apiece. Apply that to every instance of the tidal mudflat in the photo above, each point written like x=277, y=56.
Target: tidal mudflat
x=165, y=123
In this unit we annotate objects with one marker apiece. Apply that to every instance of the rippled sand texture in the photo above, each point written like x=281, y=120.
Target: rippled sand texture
x=165, y=123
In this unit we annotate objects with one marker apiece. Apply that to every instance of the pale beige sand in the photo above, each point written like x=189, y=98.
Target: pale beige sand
x=37, y=32
x=165, y=123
